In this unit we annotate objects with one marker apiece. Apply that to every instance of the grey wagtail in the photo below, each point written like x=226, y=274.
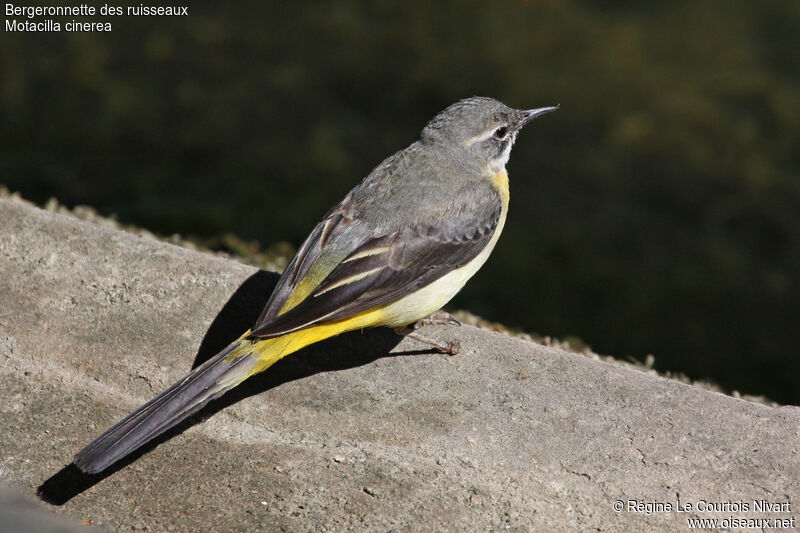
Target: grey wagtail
x=399, y=246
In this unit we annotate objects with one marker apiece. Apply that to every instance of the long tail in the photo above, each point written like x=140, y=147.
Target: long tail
x=243, y=358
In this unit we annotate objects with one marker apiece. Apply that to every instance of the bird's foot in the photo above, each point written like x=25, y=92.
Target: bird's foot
x=440, y=318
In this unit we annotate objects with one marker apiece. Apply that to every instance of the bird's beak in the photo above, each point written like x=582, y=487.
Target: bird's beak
x=530, y=114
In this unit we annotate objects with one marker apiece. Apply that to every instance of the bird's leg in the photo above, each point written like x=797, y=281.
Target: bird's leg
x=440, y=318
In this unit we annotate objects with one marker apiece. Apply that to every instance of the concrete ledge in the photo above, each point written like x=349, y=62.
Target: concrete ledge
x=359, y=432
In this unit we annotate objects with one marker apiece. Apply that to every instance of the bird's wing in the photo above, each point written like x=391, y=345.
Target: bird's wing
x=342, y=269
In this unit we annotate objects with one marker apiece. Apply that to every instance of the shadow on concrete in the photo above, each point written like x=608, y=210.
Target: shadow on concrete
x=239, y=313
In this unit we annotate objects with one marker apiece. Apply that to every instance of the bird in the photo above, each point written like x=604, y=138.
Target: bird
x=392, y=253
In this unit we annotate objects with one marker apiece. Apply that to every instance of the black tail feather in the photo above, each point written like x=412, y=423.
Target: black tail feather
x=166, y=410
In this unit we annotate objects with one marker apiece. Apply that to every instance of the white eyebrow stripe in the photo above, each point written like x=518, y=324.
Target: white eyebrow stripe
x=367, y=253
x=482, y=137
x=349, y=280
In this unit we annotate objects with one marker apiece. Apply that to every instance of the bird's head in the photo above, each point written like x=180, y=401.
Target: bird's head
x=484, y=127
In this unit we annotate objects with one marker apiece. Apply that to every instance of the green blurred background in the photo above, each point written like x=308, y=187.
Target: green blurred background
x=657, y=212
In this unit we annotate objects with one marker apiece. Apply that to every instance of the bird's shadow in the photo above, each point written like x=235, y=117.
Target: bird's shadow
x=239, y=313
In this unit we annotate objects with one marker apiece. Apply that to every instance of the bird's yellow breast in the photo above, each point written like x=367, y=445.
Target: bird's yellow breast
x=500, y=182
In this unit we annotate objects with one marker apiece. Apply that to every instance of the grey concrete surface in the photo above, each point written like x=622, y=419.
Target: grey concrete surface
x=18, y=515
x=360, y=432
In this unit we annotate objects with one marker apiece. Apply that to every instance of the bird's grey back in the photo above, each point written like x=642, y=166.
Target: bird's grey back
x=424, y=184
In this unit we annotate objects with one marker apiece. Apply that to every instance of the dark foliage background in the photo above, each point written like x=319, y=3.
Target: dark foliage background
x=657, y=212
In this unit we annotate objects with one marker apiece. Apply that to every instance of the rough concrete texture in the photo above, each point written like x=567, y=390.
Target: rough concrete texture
x=359, y=432
x=18, y=515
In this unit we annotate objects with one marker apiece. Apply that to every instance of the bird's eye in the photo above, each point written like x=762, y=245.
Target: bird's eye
x=501, y=132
